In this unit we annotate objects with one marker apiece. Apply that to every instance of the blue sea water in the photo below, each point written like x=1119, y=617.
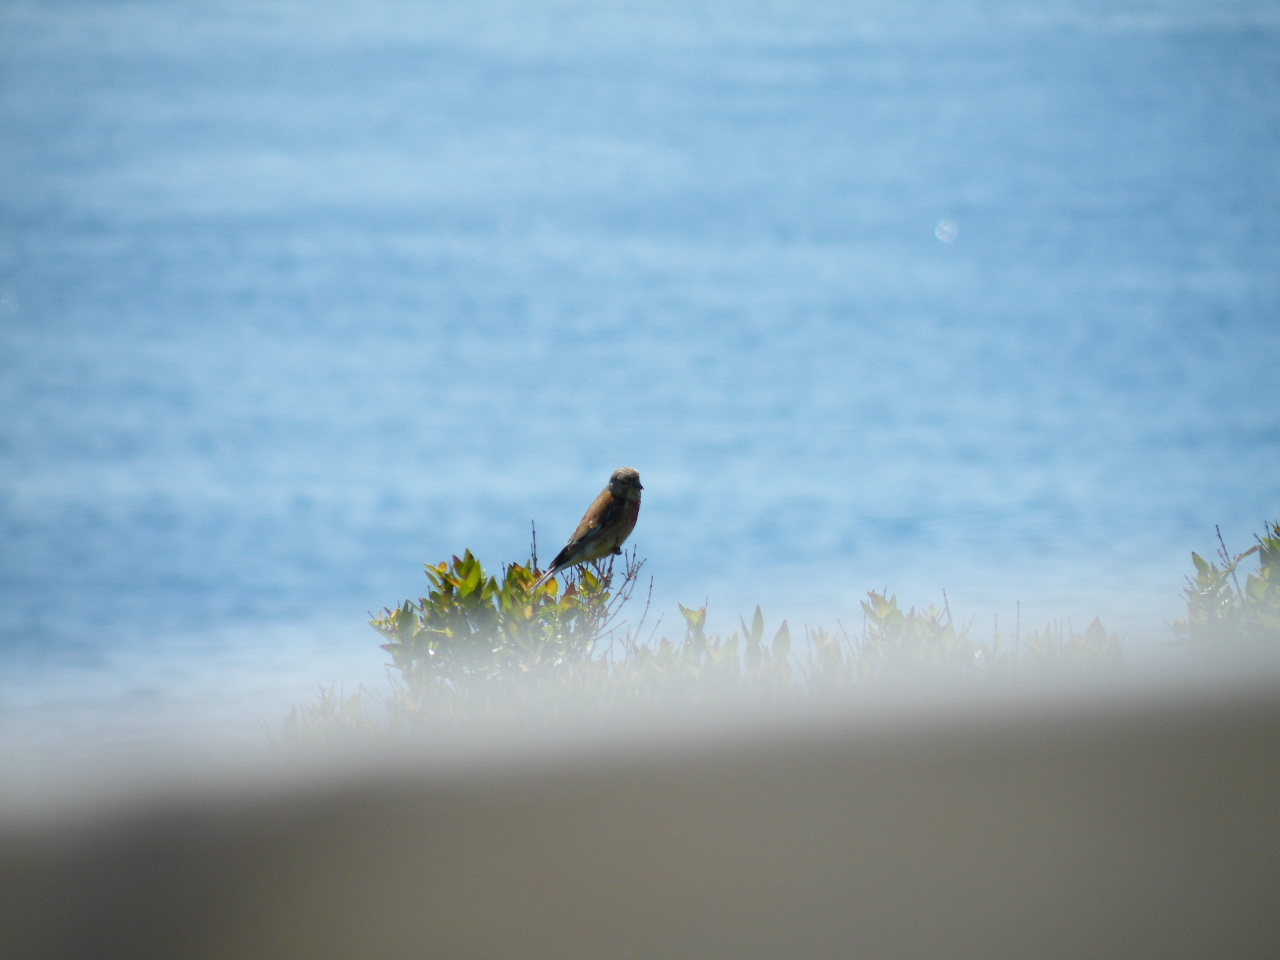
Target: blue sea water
x=979, y=297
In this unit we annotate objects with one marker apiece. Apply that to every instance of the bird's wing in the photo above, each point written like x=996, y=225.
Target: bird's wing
x=604, y=510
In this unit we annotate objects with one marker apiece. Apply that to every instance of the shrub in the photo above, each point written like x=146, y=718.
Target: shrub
x=1225, y=617
x=481, y=644
x=334, y=718
x=497, y=648
x=482, y=648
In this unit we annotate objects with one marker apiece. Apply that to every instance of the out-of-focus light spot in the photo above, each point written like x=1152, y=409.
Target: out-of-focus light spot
x=946, y=230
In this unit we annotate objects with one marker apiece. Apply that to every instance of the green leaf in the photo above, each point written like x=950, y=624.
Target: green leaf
x=782, y=642
x=696, y=618
x=472, y=579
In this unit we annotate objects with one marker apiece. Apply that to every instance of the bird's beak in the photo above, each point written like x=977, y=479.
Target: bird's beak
x=639, y=486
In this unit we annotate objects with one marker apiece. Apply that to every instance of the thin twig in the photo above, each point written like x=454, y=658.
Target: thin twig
x=647, y=601
x=848, y=643
x=1226, y=558
x=654, y=632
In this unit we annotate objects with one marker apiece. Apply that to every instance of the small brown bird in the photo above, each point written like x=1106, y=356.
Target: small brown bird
x=606, y=524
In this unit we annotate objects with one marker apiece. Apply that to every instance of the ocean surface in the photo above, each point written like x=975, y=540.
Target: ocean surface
x=977, y=297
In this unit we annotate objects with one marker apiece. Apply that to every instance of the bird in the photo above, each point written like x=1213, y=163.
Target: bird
x=604, y=527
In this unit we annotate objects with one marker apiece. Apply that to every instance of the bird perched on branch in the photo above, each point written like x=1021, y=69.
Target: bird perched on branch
x=606, y=524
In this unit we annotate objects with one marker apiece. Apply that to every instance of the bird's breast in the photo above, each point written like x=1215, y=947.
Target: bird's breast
x=630, y=513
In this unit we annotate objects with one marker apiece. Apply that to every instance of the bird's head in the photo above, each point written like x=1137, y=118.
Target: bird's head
x=625, y=482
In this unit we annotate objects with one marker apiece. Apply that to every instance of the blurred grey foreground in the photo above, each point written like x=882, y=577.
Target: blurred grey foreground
x=1125, y=819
